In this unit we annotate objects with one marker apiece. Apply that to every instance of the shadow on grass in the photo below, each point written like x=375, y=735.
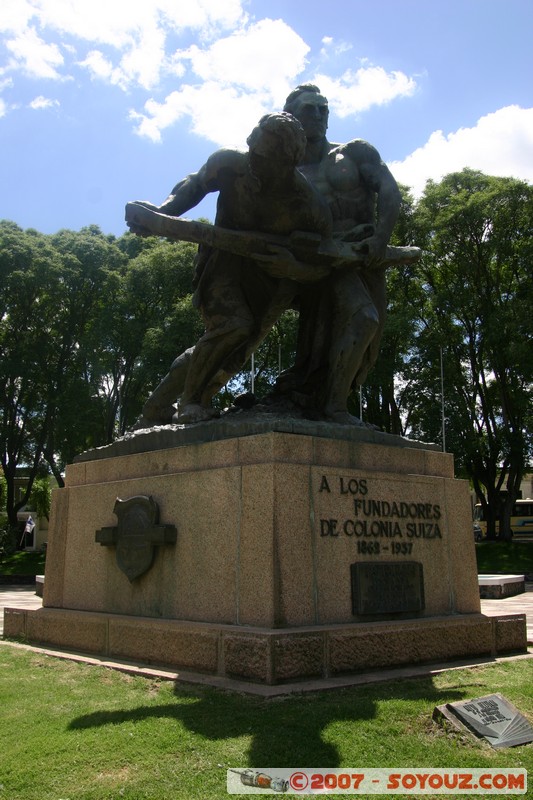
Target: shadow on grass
x=284, y=732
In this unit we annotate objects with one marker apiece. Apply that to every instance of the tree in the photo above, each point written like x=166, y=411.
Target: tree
x=41, y=497
x=50, y=288
x=93, y=265
x=478, y=231
x=3, y=497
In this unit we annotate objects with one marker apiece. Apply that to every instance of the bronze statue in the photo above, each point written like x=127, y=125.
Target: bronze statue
x=315, y=236
x=342, y=317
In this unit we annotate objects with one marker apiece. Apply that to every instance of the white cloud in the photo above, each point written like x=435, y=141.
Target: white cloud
x=134, y=63
x=100, y=66
x=246, y=57
x=112, y=22
x=15, y=15
x=142, y=64
x=135, y=33
x=41, y=102
x=239, y=82
x=357, y=91
x=333, y=47
x=500, y=143
x=3, y=108
x=118, y=22
x=34, y=56
x=223, y=115
x=203, y=15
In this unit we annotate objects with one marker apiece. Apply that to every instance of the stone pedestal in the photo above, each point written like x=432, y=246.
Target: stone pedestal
x=295, y=555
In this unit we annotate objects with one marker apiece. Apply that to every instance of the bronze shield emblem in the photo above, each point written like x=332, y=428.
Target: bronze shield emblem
x=136, y=535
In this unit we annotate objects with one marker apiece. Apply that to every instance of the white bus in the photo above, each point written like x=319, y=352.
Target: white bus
x=521, y=518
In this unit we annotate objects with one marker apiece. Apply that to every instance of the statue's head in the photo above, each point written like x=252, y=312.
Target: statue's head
x=279, y=138
x=310, y=108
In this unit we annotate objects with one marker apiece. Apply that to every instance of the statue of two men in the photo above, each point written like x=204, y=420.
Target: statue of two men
x=342, y=319
x=291, y=179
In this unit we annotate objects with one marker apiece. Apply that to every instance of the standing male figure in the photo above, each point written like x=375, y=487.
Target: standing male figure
x=342, y=317
x=240, y=298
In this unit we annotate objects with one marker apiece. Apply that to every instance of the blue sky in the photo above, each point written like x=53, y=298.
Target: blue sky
x=105, y=101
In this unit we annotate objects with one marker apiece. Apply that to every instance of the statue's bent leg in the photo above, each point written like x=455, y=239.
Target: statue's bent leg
x=355, y=324
x=375, y=283
x=159, y=408
x=257, y=332
x=214, y=355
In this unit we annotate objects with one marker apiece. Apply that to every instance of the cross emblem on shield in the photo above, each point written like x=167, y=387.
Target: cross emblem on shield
x=136, y=535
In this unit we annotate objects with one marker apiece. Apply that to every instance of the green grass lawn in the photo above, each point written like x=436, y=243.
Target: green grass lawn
x=71, y=731
x=505, y=557
x=22, y=563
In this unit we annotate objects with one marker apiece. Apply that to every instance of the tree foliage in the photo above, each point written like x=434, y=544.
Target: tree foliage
x=85, y=333
x=477, y=232
x=39, y=334
x=41, y=497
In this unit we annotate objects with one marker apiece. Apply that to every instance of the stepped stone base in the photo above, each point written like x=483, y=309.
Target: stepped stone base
x=270, y=656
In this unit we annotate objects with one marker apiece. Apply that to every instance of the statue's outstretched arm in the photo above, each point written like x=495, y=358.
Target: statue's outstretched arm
x=190, y=191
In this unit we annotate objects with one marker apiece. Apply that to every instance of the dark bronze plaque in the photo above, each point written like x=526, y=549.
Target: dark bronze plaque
x=495, y=719
x=387, y=587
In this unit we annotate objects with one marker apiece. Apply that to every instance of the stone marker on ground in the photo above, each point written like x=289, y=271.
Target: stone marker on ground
x=491, y=717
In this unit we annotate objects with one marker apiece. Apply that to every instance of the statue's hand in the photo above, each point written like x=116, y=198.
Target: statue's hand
x=374, y=249
x=135, y=227
x=138, y=230
x=281, y=263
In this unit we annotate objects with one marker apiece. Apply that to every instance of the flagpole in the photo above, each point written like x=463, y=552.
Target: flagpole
x=443, y=418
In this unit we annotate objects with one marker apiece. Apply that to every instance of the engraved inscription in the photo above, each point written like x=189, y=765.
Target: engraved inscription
x=388, y=526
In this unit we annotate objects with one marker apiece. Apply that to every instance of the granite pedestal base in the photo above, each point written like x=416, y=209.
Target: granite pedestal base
x=293, y=554
x=270, y=656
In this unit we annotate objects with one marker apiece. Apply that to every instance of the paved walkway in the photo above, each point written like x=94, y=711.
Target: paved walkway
x=519, y=604
x=18, y=597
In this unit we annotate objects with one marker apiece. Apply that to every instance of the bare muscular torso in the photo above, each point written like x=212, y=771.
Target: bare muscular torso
x=346, y=176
